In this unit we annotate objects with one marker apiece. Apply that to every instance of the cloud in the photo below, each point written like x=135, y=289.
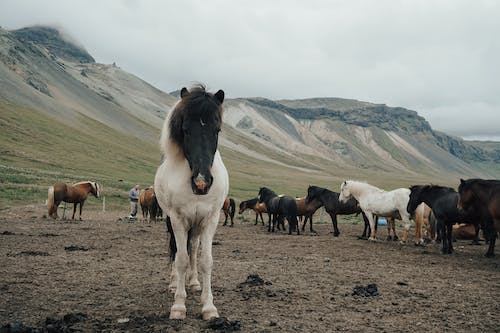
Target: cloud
x=436, y=57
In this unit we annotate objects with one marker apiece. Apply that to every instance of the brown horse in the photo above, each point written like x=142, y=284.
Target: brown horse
x=254, y=205
x=482, y=197
x=229, y=208
x=149, y=205
x=76, y=194
x=307, y=210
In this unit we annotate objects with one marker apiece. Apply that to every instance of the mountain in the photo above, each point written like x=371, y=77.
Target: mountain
x=65, y=117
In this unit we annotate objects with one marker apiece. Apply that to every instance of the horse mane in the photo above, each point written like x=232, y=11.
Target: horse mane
x=196, y=102
x=252, y=202
x=364, y=184
x=431, y=187
x=84, y=182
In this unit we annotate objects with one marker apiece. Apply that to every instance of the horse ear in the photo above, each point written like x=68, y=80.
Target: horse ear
x=184, y=92
x=219, y=96
x=462, y=181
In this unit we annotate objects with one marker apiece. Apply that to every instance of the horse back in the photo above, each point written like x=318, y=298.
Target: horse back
x=287, y=206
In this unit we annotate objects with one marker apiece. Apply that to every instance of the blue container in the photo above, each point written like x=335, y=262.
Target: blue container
x=382, y=221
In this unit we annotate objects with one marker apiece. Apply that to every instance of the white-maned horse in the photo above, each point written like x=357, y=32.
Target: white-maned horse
x=373, y=200
x=191, y=185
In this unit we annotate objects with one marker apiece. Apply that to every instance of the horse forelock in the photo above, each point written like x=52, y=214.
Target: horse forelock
x=197, y=104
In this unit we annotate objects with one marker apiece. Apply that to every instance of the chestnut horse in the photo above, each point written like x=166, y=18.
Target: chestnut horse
x=149, y=205
x=229, y=208
x=191, y=185
x=76, y=194
x=256, y=206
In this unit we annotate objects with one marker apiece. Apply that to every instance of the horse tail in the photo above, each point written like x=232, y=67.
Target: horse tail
x=172, y=244
x=50, y=200
x=232, y=207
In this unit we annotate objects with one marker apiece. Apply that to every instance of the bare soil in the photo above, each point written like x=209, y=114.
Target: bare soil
x=107, y=275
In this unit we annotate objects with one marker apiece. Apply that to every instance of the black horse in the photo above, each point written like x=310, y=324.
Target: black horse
x=330, y=200
x=443, y=202
x=280, y=207
x=482, y=197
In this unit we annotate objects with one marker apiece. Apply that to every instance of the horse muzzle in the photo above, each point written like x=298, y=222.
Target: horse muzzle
x=200, y=184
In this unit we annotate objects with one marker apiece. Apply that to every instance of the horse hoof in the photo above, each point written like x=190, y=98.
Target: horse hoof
x=178, y=313
x=372, y=239
x=489, y=255
x=207, y=315
x=395, y=238
x=336, y=234
x=389, y=238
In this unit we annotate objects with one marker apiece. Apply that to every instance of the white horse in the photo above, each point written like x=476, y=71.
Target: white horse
x=373, y=200
x=191, y=185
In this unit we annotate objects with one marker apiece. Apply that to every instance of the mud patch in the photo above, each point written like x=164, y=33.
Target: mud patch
x=223, y=324
x=33, y=253
x=51, y=325
x=368, y=291
x=76, y=248
x=48, y=234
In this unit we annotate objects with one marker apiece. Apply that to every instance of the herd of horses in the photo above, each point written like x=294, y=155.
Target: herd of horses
x=192, y=183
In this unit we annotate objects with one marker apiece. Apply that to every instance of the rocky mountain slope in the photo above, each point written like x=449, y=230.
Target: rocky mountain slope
x=43, y=71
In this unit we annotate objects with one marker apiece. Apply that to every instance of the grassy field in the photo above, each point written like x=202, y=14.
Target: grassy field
x=37, y=150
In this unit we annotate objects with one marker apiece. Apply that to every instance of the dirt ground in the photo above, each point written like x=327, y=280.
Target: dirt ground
x=106, y=275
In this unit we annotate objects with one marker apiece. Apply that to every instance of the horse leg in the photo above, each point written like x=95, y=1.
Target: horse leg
x=336, y=231
x=311, y=224
x=261, y=218
x=449, y=229
x=178, y=309
x=393, y=227
x=194, y=283
x=257, y=218
x=369, y=216
x=208, y=309
x=74, y=210
x=389, y=227
x=304, y=224
x=293, y=224
x=491, y=235
x=225, y=221
x=406, y=231
x=475, y=241
x=81, y=206
x=269, y=222
x=367, y=227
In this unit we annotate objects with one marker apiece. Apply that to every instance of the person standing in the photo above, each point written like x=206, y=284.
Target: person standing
x=134, y=198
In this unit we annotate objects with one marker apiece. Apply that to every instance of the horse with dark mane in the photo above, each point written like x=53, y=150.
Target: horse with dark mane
x=330, y=200
x=229, y=208
x=280, y=207
x=443, y=202
x=149, y=205
x=76, y=194
x=483, y=197
x=306, y=209
x=256, y=206
x=191, y=185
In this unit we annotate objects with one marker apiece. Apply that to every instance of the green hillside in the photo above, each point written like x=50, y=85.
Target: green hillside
x=37, y=151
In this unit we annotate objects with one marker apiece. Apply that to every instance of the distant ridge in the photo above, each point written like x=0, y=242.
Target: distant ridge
x=55, y=42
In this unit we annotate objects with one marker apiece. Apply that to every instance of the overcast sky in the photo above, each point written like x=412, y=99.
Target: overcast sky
x=439, y=58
